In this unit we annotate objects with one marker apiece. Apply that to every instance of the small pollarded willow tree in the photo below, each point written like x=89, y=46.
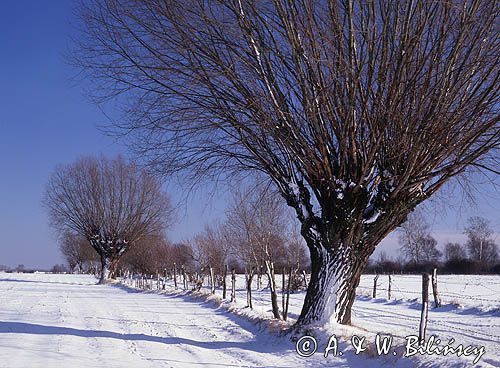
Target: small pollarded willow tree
x=257, y=224
x=356, y=110
x=112, y=203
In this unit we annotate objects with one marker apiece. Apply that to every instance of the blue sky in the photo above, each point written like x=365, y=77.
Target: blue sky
x=45, y=120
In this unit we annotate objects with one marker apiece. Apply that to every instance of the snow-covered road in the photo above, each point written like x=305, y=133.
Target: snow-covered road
x=63, y=321
x=67, y=321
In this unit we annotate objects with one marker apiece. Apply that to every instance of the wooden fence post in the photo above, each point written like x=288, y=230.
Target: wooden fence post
x=283, y=292
x=184, y=279
x=389, y=288
x=249, y=278
x=375, y=287
x=437, y=299
x=175, y=276
x=224, y=282
x=212, y=279
x=425, y=307
x=233, y=285
x=285, y=309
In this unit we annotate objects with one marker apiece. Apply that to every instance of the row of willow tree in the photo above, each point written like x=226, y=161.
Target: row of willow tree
x=356, y=111
x=111, y=204
x=105, y=214
x=257, y=235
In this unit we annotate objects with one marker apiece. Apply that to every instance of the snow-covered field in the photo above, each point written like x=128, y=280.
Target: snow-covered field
x=66, y=320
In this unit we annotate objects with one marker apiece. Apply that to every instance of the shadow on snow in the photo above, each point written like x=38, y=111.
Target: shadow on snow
x=37, y=329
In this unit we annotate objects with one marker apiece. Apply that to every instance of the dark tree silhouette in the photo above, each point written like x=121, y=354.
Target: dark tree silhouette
x=357, y=110
x=454, y=252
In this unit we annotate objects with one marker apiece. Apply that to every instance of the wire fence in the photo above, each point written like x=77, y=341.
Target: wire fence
x=454, y=292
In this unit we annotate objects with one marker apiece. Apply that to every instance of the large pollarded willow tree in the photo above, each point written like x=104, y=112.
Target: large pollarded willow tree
x=357, y=110
x=111, y=203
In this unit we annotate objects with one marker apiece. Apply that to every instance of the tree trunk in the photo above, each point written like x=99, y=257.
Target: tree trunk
x=233, y=285
x=332, y=288
x=285, y=312
x=272, y=287
x=175, y=276
x=212, y=280
x=283, y=293
x=224, y=282
x=108, y=266
x=249, y=278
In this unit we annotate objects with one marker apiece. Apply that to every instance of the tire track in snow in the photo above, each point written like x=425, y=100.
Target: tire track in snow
x=170, y=331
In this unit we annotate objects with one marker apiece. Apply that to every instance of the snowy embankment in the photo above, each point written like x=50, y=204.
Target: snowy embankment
x=470, y=315
x=63, y=320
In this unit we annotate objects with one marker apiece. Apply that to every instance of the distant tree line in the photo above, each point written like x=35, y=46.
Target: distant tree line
x=419, y=251
x=19, y=268
x=57, y=268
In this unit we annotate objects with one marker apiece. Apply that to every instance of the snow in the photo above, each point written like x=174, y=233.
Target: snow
x=340, y=183
x=67, y=320
x=374, y=215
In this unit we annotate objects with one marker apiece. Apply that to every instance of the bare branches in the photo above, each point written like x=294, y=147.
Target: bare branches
x=417, y=244
x=365, y=92
x=357, y=110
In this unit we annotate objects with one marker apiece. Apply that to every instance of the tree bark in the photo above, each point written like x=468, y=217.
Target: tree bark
x=233, y=285
x=175, y=276
x=224, y=282
x=249, y=278
x=108, y=266
x=287, y=303
x=332, y=287
x=272, y=287
x=212, y=279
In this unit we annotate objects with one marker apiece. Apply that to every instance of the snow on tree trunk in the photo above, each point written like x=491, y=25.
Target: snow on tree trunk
x=332, y=288
x=272, y=287
x=105, y=269
x=108, y=266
